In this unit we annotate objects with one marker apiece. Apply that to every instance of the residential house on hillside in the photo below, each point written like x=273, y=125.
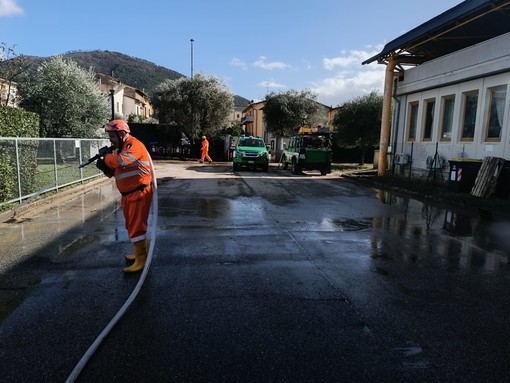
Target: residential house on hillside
x=331, y=115
x=448, y=79
x=136, y=103
x=254, y=125
x=125, y=100
x=236, y=115
x=253, y=119
x=8, y=92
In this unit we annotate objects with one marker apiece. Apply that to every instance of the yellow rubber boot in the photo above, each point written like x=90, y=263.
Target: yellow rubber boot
x=131, y=257
x=141, y=252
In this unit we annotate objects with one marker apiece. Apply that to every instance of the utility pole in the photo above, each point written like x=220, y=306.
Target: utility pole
x=192, y=41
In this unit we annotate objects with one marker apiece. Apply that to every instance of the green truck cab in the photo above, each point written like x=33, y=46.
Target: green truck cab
x=251, y=152
x=310, y=149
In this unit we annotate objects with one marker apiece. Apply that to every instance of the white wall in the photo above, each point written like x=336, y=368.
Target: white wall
x=481, y=67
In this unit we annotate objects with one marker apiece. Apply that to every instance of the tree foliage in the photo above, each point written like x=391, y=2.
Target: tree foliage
x=358, y=122
x=285, y=112
x=198, y=105
x=67, y=99
x=11, y=66
x=132, y=71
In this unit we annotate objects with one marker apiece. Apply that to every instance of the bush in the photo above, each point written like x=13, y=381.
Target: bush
x=15, y=122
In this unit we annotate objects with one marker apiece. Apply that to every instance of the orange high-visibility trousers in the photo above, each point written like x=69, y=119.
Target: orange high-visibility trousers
x=205, y=156
x=136, y=207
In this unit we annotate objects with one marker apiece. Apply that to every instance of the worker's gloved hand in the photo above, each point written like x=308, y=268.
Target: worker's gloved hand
x=101, y=165
x=105, y=150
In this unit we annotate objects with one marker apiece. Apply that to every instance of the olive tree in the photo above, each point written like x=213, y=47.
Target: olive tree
x=197, y=105
x=285, y=112
x=11, y=66
x=67, y=99
x=358, y=123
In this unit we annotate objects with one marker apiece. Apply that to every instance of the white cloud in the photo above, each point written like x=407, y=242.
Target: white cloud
x=271, y=84
x=261, y=63
x=237, y=62
x=351, y=79
x=9, y=8
x=306, y=65
x=346, y=85
x=351, y=58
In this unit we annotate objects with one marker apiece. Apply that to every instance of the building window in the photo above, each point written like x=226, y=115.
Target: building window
x=496, y=109
x=429, y=119
x=413, y=121
x=447, y=118
x=469, y=118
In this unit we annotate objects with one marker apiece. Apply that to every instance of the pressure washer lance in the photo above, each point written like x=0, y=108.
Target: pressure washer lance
x=102, y=152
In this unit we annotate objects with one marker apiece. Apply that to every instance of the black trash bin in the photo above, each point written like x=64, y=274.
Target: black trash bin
x=463, y=172
x=503, y=186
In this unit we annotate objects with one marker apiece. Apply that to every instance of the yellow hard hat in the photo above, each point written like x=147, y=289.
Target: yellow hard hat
x=203, y=137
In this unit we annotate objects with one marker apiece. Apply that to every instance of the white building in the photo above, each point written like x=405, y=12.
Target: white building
x=446, y=89
x=8, y=92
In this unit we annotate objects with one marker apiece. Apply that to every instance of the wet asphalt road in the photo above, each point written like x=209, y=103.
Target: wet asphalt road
x=257, y=277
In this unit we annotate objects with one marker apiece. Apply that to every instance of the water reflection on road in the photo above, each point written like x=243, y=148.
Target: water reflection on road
x=453, y=239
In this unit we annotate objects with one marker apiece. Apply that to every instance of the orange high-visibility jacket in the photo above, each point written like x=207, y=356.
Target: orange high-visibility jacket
x=205, y=145
x=131, y=166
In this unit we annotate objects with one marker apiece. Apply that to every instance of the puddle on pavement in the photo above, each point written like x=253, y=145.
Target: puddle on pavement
x=242, y=210
x=66, y=250
x=408, y=229
x=454, y=239
x=352, y=224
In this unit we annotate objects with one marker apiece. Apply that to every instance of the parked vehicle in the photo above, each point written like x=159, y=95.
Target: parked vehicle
x=251, y=152
x=310, y=149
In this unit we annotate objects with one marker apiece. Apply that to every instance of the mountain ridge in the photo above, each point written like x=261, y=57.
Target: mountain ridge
x=133, y=71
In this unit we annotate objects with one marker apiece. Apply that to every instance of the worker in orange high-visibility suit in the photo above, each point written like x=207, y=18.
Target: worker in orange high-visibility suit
x=205, y=150
x=130, y=164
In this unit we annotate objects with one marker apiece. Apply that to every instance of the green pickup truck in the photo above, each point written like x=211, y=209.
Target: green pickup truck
x=308, y=150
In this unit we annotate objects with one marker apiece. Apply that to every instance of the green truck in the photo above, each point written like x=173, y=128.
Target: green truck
x=251, y=152
x=310, y=149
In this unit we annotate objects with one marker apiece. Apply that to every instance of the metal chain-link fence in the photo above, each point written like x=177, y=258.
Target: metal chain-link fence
x=33, y=166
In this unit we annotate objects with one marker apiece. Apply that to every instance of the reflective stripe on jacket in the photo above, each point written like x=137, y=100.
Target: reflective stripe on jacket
x=132, y=167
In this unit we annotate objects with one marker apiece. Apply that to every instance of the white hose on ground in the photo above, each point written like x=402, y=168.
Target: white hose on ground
x=93, y=347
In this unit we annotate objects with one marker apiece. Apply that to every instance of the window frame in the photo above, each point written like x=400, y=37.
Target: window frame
x=412, y=113
x=444, y=99
x=428, y=120
x=465, y=96
x=489, y=99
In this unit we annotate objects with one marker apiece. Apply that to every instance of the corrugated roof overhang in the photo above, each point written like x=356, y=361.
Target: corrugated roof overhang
x=464, y=25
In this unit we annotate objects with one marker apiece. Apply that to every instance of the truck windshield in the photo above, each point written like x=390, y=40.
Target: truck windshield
x=252, y=143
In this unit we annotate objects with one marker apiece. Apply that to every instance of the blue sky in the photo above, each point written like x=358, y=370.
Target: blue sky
x=253, y=47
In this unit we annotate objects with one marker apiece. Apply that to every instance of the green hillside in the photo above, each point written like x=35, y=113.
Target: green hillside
x=132, y=71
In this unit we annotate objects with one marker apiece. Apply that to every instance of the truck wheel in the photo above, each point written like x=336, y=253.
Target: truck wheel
x=326, y=170
x=296, y=169
x=285, y=164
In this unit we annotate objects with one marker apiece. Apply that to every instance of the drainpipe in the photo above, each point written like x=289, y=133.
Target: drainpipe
x=386, y=116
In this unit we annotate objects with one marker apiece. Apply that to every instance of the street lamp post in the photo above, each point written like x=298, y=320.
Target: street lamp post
x=255, y=122
x=192, y=41
x=112, y=91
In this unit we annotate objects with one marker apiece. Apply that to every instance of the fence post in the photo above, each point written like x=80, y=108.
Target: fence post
x=79, y=142
x=18, y=170
x=55, y=162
